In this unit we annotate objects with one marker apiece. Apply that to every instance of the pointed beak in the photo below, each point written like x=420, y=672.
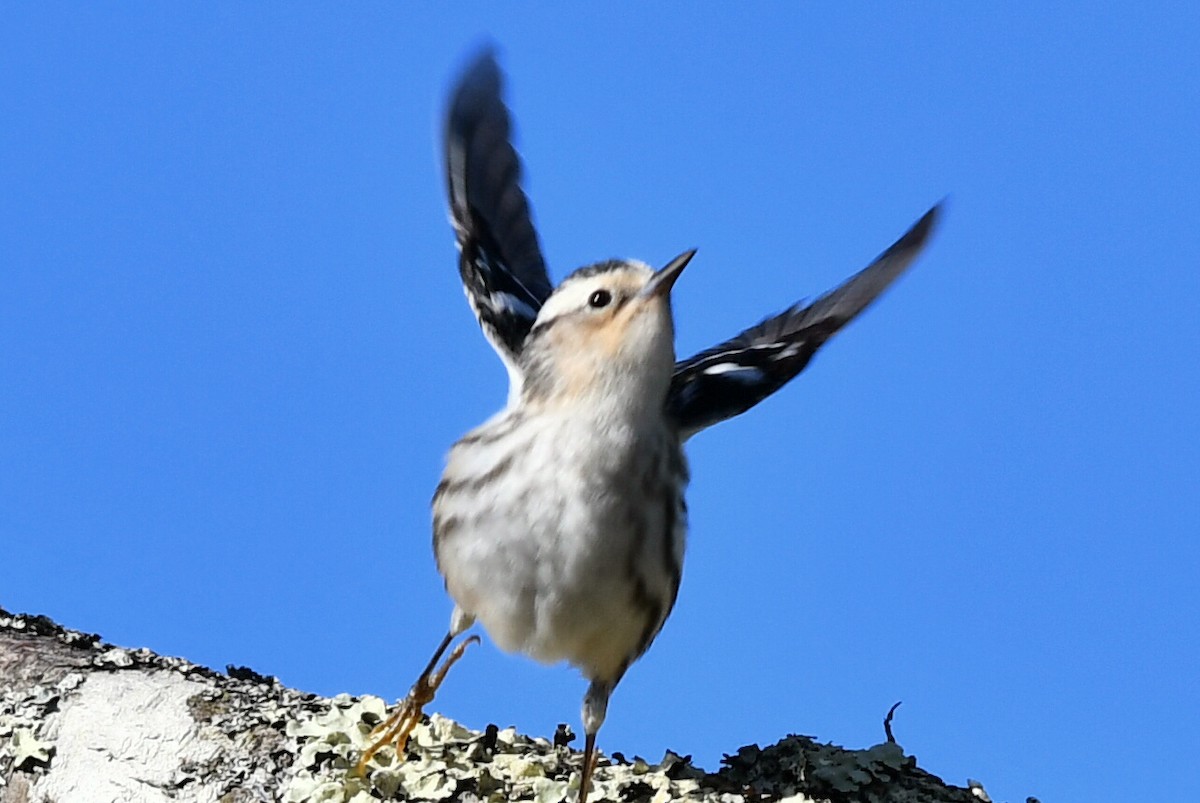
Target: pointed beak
x=663, y=280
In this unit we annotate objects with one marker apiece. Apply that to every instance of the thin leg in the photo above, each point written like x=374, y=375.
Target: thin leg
x=595, y=707
x=397, y=728
x=589, y=764
x=437, y=656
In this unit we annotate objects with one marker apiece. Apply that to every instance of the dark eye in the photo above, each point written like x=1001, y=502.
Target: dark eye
x=599, y=299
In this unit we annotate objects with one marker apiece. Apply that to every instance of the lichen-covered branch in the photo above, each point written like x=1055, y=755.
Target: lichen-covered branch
x=81, y=721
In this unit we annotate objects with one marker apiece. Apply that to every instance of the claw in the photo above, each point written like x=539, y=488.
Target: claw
x=399, y=726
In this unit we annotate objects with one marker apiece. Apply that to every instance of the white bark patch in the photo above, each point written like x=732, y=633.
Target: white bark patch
x=124, y=736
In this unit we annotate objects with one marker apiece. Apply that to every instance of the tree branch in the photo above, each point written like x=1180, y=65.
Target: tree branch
x=82, y=720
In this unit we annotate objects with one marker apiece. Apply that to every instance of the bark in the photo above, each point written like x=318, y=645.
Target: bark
x=84, y=721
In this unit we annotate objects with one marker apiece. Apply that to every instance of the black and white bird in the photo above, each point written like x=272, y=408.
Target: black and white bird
x=559, y=524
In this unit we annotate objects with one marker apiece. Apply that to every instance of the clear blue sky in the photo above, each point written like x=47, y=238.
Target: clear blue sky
x=233, y=351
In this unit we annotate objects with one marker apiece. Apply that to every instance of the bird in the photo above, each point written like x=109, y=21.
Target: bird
x=560, y=523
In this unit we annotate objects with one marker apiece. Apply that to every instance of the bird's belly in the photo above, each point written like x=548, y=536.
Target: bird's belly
x=581, y=565
x=551, y=600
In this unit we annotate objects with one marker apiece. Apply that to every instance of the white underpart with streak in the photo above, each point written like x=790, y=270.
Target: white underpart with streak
x=539, y=573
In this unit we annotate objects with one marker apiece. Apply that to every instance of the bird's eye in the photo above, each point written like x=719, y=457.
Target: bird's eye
x=599, y=299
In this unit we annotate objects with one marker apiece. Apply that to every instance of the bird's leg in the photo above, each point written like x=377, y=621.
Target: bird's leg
x=397, y=727
x=595, y=706
x=589, y=763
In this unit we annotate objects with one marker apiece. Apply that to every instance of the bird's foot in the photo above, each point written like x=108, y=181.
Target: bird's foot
x=399, y=726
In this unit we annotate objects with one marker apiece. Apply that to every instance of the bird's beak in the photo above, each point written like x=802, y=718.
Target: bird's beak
x=663, y=280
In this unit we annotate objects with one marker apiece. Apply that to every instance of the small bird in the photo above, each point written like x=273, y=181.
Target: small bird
x=560, y=523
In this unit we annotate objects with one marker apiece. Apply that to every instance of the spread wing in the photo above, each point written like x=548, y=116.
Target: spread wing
x=500, y=262
x=730, y=378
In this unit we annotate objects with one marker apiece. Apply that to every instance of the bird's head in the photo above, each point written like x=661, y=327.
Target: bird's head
x=605, y=332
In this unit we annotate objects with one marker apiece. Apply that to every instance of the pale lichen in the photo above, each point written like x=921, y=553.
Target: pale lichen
x=446, y=761
x=246, y=737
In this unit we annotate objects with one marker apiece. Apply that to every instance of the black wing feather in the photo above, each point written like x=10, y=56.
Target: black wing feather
x=732, y=377
x=500, y=261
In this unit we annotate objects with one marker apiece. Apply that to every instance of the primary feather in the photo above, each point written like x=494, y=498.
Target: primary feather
x=730, y=378
x=500, y=261
x=505, y=279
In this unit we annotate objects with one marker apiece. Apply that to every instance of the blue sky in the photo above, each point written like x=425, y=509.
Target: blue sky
x=233, y=351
